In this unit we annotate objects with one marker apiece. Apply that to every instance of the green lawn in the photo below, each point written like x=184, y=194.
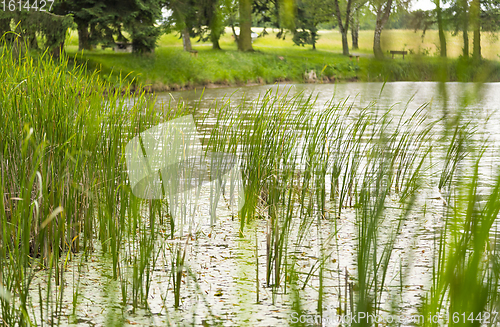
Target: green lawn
x=330, y=40
x=170, y=67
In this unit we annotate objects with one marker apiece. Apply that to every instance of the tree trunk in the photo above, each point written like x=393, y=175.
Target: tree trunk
x=465, y=28
x=344, y=28
x=83, y=37
x=186, y=41
x=465, y=35
x=382, y=18
x=345, y=45
x=475, y=12
x=476, y=54
x=215, y=41
x=442, y=38
x=215, y=24
x=245, y=38
x=313, y=36
x=377, y=49
x=355, y=30
x=236, y=37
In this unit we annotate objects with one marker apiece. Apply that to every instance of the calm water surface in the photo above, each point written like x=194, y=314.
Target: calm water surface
x=480, y=101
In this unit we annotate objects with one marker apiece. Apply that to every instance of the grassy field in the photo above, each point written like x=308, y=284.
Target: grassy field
x=330, y=40
x=277, y=60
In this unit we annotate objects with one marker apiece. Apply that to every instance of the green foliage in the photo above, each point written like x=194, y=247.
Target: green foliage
x=105, y=21
x=64, y=189
x=184, y=14
x=399, y=18
x=30, y=23
x=63, y=182
x=305, y=37
x=88, y=14
x=431, y=69
x=266, y=13
x=204, y=19
x=141, y=25
x=309, y=15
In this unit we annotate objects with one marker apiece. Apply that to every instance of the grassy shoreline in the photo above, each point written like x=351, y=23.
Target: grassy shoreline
x=171, y=69
x=176, y=70
x=274, y=61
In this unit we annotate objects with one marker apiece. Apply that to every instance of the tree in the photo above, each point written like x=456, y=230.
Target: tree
x=84, y=13
x=475, y=17
x=97, y=21
x=310, y=13
x=211, y=20
x=490, y=15
x=205, y=19
x=480, y=15
x=421, y=20
x=459, y=14
x=104, y=21
x=382, y=10
x=28, y=24
x=232, y=12
x=267, y=13
x=183, y=19
x=464, y=18
x=346, y=17
x=343, y=26
x=442, y=38
x=355, y=30
x=361, y=18
x=245, y=37
x=215, y=22
x=140, y=23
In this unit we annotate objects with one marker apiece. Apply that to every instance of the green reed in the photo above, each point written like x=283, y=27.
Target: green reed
x=289, y=157
x=62, y=172
x=465, y=276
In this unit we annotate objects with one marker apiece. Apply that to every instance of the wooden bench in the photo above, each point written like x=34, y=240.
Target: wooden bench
x=393, y=52
x=354, y=56
x=194, y=53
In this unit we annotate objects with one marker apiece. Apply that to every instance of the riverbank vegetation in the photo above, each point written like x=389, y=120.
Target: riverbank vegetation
x=335, y=221
x=277, y=60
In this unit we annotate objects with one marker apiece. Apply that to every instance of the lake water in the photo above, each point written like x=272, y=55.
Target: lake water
x=481, y=101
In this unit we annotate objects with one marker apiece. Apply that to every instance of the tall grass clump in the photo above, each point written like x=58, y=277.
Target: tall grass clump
x=303, y=167
x=465, y=268
x=394, y=164
x=62, y=170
